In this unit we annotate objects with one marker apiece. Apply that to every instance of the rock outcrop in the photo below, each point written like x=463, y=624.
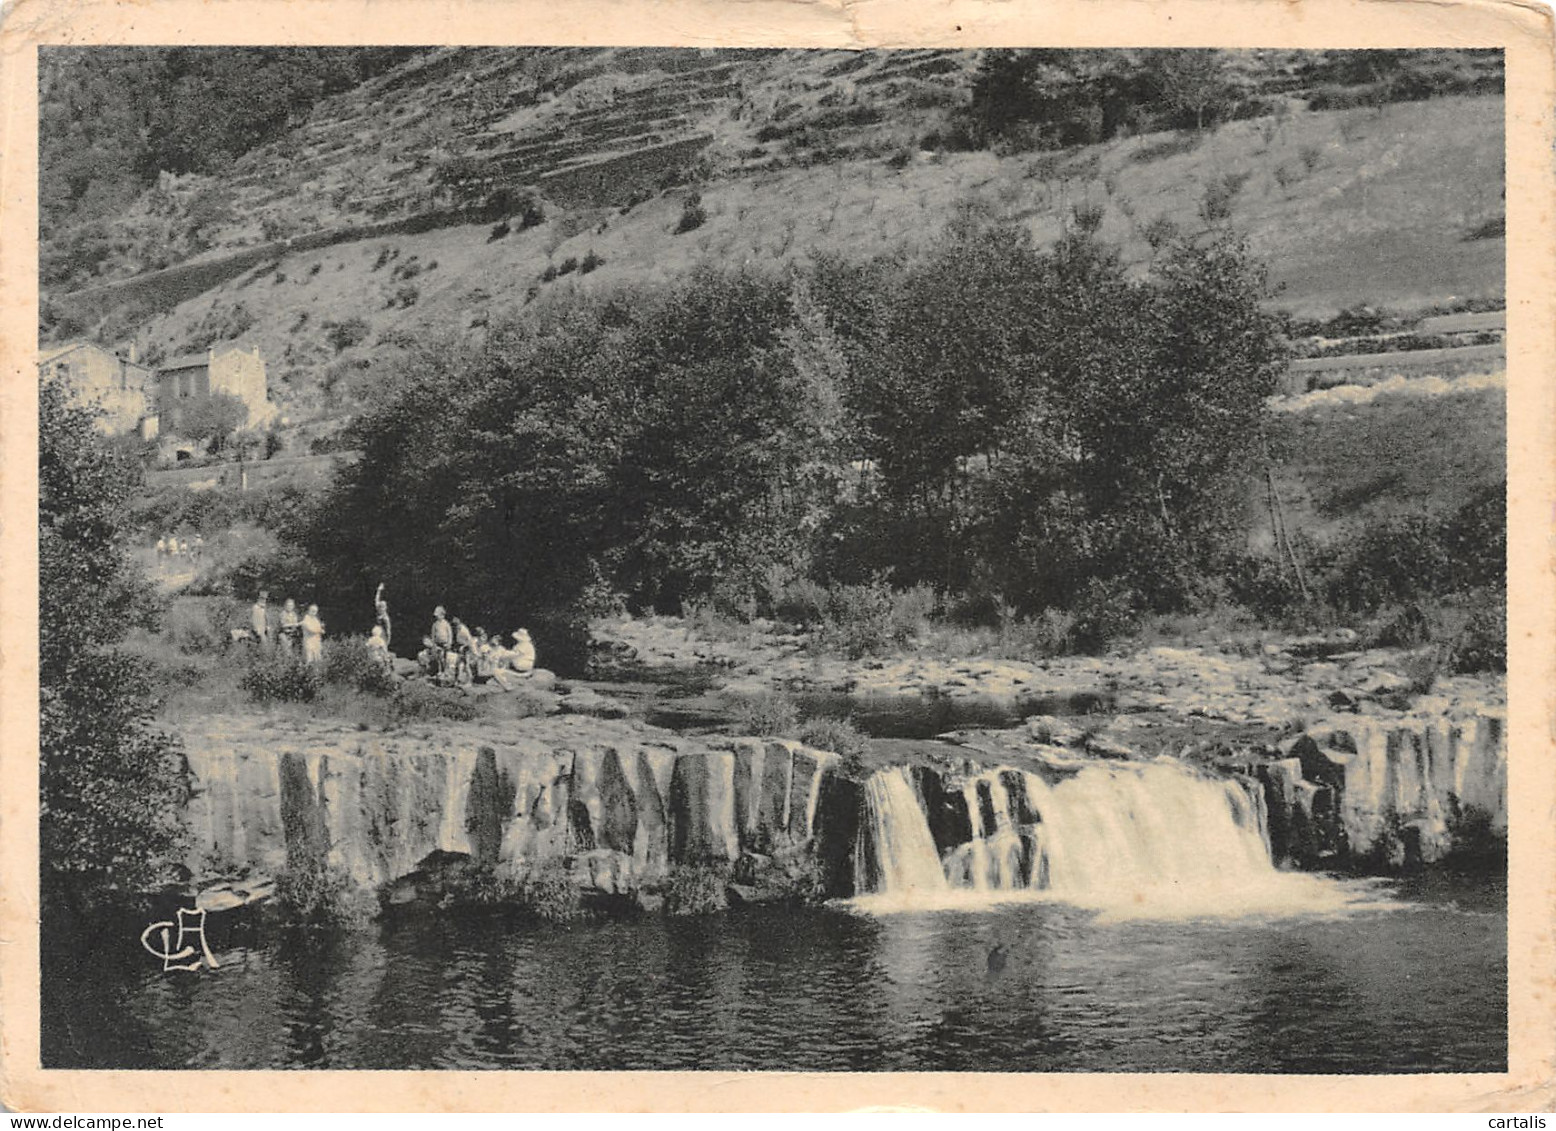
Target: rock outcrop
x=1371, y=792
x=618, y=806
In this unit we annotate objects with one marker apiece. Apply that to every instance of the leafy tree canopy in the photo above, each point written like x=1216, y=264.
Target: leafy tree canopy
x=213, y=418
x=1042, y=417
x=112, y=784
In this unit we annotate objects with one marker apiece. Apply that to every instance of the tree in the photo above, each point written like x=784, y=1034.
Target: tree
x=113, y=787
x=214, y=418
x=1143, y=422
x=1193, y=80
x=1042, y=420
x=663, y=445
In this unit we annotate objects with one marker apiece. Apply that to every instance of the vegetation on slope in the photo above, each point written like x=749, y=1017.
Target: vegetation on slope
x=113, y=786
x=664, y=447
x=111, y=119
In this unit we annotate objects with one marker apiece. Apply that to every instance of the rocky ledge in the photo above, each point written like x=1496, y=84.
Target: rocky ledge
x=617, y=807
x=1282, y=682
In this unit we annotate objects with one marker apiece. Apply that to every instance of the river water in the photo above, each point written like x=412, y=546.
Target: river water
x=1414, y=983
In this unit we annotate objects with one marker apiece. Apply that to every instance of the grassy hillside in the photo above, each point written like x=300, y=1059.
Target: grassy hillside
x=1398, y=453
x=1360, y=205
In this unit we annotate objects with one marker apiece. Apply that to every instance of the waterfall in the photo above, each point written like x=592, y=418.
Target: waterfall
x=1147, y=829
x=1155, y=839
x=895, y=853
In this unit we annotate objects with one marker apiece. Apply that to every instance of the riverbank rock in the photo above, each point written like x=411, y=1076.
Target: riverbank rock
x=587, y=701
x=618, y=805
x=1282, y=682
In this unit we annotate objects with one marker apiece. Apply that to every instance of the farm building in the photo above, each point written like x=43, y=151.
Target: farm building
x=123, y=391
x=237, y=371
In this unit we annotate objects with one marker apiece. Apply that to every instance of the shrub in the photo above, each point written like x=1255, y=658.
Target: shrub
x=1105, y=611
x=1422, y=669
x=590, y=262
x=568, y=265
x=715, y=621
x=344, y=335
x=911, y=609
x=1408, y=628
x=872, y=618
x=414, y=701
x=348, y=664
x=532, y=213
x=281, y=677
x=837, y=735
x=802, y=602
x=550, y=894
x=1310, y=155
x=1482, y=644
x=1088, y=217
x=767, y=714
x=1160, y=232
x=693, y=214
x=696, y=889
x=320, y=897
x=1215, y=206
x=1171, y=146
x=1393, y=563
x=1264, y=586
x=499, y=230
x=1050, y=633
x=200, y=627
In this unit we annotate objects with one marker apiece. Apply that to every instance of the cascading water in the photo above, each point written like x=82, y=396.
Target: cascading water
x=1153, y=838
x=895, y=852
x=1143, y=827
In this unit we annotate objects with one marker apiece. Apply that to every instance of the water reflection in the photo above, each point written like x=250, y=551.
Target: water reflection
x=1025, y=987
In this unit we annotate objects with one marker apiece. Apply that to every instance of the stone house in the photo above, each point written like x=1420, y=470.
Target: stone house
x=123, y=391
x=235, y=370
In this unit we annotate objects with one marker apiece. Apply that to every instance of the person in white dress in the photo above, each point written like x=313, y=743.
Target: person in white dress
x=259, y=619
x=290, y=627
x=313, y=636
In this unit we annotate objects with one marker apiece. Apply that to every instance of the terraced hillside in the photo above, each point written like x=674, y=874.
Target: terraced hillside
x=468, y=183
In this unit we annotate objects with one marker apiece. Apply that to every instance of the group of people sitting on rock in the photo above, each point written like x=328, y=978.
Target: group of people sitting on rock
x=291, y=631
x=454, y=655
x=451, y=653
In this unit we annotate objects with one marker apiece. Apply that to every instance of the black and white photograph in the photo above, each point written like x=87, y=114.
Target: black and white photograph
x=718, y=559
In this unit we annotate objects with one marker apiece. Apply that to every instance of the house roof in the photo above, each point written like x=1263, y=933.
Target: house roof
x=196, y=360
x=188, y=361
x=48, y=355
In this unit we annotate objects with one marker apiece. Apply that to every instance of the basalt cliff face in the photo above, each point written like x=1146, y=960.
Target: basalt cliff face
x=618, y=806
x=616, y=803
